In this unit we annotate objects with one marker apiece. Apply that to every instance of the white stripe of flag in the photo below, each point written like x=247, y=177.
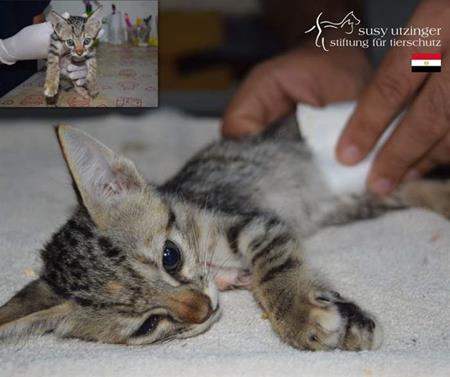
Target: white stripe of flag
x=426, y=63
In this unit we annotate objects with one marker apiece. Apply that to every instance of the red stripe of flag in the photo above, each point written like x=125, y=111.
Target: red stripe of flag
x=425, y=56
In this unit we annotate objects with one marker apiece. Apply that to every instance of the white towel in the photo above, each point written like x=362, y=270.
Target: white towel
x=321, y=128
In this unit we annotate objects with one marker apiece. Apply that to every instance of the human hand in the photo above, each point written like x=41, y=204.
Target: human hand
x=30, y=43
x=422, y=139
x=75, y=71
x=308, y=75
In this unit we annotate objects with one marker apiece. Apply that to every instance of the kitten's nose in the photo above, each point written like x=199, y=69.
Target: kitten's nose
x=190, y=306
x=79, y=51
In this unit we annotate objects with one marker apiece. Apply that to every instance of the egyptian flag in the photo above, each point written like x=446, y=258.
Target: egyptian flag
x=426, y=63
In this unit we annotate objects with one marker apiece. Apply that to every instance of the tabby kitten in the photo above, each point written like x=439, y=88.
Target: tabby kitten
x=135, y=263
x=75, y=36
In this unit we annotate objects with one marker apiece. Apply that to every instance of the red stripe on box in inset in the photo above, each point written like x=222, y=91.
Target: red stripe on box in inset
x=425, y=56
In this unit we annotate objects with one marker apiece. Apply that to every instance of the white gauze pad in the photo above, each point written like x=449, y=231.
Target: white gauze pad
x=321, y=128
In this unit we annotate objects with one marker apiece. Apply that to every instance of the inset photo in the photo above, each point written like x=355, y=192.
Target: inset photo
x=79, y=53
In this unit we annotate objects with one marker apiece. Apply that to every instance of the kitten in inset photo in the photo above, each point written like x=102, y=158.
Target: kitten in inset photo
x=74, y=36
x=138, y=263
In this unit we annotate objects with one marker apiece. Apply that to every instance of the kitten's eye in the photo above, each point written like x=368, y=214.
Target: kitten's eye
x=148, y=326
x=70, y=42
x=87, y=41
x=171, y=257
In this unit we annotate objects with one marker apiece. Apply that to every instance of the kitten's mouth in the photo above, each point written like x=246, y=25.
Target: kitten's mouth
x=214, y=317
x=216, y=312
x=202, y=327
x=78, y=58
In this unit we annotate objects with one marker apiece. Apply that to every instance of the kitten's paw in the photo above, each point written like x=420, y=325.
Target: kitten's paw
x=50, y=92
x=93, y=91
x=334, y=322
x=325, y=321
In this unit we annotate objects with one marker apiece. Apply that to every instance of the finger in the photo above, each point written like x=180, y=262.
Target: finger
x=421, y=168
x=389, y=91
x=439, y=155
x=425, y=124
x=77, y=75
x=80, y=82
x=386, y=95
x=76, y=68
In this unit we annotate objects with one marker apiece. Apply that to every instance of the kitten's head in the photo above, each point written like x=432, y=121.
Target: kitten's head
x=77, y=33
x=126, y=268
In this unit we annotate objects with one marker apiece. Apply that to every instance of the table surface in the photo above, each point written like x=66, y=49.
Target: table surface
x=127, y=76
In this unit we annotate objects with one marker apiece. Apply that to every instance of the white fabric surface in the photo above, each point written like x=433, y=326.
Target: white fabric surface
x=321, y=128
x=397, y=266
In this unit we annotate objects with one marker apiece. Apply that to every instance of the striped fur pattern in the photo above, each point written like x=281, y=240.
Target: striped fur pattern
x=74, y=36
x=234, y=217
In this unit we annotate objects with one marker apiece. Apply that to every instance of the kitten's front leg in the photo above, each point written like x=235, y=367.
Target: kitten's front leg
x=51, y=85
x=304, y=312
x=91, y=78
x=82, y=91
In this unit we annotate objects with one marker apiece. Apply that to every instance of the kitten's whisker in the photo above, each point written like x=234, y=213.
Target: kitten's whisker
x=197, y=244
x=220, y=266
x=211, y=258
x=206, y=251
x=203, y=252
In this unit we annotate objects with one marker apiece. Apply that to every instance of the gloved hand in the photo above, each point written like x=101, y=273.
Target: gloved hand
x=30, y=43
x=75, y=71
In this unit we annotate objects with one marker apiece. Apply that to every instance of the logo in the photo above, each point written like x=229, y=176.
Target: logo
x=348, y=21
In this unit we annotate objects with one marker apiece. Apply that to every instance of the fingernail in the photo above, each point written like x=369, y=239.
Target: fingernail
x=350, y=155
x=382, y=186
x=412, y=175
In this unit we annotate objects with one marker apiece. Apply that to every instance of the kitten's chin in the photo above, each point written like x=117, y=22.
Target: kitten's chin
x=78, y=58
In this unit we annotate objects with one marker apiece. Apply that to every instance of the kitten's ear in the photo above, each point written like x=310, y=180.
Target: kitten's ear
x=94, y=22
x=56, y=18
x=102, y=178
x=59, y=23
x=35, y=309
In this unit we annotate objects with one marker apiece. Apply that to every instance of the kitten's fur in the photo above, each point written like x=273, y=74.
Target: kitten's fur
x=238, y=209
x=75, y=36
